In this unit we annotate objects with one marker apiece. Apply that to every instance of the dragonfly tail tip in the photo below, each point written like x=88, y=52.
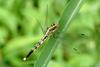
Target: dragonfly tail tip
x=24, y=59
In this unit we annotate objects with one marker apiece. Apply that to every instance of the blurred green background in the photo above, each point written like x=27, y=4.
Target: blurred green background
x=23, y=22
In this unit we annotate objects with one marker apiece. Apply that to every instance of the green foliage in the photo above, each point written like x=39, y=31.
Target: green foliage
x=74, y=44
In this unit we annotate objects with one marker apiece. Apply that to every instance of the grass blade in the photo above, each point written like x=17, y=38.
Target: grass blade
x=69, y=12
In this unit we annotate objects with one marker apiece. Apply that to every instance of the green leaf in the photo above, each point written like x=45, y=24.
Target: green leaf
x=69, y=12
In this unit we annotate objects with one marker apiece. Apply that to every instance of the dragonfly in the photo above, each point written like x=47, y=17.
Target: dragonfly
x=50, y=30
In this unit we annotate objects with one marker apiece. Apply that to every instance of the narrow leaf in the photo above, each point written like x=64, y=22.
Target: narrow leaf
x=69, y=12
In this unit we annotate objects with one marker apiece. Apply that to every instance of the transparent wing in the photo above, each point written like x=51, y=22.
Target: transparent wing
x=43, y=30
x=45, y=24
x=46, y=18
